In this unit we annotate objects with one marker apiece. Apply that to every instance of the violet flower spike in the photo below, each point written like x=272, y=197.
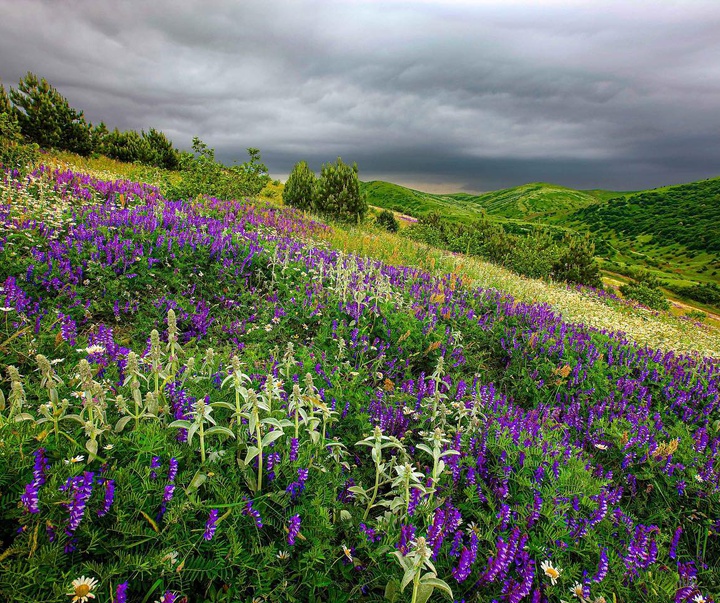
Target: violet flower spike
x=293, y=529
x=211, y=525
x=121, y=593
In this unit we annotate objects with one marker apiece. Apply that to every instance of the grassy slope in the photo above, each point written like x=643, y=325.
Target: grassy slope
x=643, y=229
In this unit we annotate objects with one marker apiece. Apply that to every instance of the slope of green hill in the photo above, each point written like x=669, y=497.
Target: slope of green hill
x=535, y=202
x=539, y=201
x=686, y=214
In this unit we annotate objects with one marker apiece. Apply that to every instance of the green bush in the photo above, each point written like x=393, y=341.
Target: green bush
x=299, y=189
x=13, y=153
x=387, y=220
x=46, y=117
x=202, y=175
x=645, y=293
x=338, y=193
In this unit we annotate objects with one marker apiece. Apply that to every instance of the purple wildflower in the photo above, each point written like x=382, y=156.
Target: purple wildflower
x=154, y=464
x=407, y=534
x=294, y=447
x=672, y=551
x=603, y=566
x=168, y=597
x=296, y=488
x=211, y=525
x=121, y=593
x=172, y=472
x=81, y=487
x=30, y=498
x=252, y=512
x=109, y=497
x=293, y=529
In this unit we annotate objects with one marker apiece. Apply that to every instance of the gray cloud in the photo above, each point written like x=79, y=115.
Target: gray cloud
x=477, y=95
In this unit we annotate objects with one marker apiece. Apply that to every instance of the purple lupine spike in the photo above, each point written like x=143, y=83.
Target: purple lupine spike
x=672, y=551
x=211, y=524
x=172, y=471
x=30, y=498
x=81, y=491
x=603, y=566
x=407, y=534
x=415, y=496
x=297, y=487
x=248, y=509
x=457, y=544
x=109, y=497
x=121, y=593
x=294, y=447
x=155, y=463
x=293, y=529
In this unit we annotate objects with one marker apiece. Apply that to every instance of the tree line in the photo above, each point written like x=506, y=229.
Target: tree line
x=35, y=115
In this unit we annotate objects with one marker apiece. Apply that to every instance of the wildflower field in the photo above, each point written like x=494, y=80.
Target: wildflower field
x=207, y=400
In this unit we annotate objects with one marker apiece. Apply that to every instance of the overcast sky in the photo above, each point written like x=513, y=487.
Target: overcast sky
x=443, y=95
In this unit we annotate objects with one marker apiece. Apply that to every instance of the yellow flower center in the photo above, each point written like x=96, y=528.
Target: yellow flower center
x=552, y=572
x=81, y=590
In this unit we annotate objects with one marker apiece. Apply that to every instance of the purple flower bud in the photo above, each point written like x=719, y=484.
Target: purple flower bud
x=254, y=513
x=121, y=593
x=211, y=525
x=109, y=497
x=294, y=447
x=293, y=529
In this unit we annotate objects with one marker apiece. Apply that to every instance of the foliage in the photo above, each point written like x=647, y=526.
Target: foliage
x=645, y=289
x=203, y=175
x=338, y=193
x=149, y=148
x=299, y=189
x=688, y=214
x=387, y=220
x=14, y=153
x=706, y=293
x=537, y=254
x=46, y=118
x=382, y=432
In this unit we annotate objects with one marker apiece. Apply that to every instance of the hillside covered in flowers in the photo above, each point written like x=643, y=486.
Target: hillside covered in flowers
x=206, y=400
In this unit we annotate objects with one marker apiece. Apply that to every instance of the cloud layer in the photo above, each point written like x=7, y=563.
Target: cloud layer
x=462, y=95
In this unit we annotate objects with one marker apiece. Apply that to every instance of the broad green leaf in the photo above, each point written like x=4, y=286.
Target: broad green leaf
x=430, y=580
x=271, y=437
x=218, y=430
x=252, y=452
x=122, y=423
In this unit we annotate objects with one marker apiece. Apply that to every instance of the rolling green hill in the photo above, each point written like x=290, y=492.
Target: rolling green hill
x=535, y=202
x=673, y=232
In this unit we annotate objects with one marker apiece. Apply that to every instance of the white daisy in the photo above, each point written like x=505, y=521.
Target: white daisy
x=577, y=591
x=76, y=459
x=551, y=572
x=699, y=599
x=82, y=589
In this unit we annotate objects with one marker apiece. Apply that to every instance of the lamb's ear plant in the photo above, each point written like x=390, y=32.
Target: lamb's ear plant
x=437, y=439
x=377, y=443
x=132, y=379
x=173, y=349
x=407, y=478
x=414, y=565
x=200, y=415
x=94, y=407
x=238, y=380
x=54, y=411
x=17, y=397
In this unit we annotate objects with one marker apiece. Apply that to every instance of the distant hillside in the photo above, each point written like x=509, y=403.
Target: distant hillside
x=417, y=203
x=686, y=214
x=533, y=202
x=539, y=201
x=674, y=232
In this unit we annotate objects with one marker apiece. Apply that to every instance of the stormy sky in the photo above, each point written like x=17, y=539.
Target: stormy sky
x=441, y=95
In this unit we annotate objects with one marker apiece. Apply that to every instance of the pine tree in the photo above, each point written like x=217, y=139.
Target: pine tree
x=338, y=192
x=300, y=187
x=46, y=117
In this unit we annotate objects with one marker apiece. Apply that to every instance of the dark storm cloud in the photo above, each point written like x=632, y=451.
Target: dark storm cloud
x=475, y=95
